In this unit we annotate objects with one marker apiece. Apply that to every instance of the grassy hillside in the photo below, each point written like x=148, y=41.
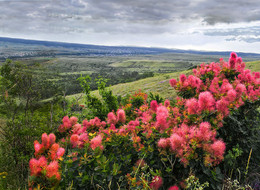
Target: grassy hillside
x=158, y=84
x=253, y=66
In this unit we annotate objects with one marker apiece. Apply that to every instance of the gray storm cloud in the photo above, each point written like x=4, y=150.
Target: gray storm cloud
x=162, y=23
x=120, y=15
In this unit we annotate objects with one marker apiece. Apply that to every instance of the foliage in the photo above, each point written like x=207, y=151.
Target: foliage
x=234, y=185
x=99, y=108
x=25, y=117
x=193, y=183
x=155, y=97
x=157, y=146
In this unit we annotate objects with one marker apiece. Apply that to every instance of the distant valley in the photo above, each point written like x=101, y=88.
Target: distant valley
x=64, y=63
x=17, y=48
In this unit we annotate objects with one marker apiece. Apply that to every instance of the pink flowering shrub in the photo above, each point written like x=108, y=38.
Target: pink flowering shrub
x=155, y=145
x=45, y=166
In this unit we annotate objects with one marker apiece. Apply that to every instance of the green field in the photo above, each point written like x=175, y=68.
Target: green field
x=118, y=69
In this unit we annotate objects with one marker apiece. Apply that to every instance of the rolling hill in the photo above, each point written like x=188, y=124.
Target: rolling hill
x=158, y=84
x=17, y=48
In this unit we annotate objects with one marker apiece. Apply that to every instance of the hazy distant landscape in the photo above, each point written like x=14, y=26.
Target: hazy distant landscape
x=21, y=48
x=65, y=62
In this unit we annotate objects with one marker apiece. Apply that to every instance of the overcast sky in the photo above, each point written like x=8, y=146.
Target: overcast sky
x=229, y=25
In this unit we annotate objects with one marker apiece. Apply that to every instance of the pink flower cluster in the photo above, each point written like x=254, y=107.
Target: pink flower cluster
x=47, y=155
x=186, y=139
x=119, y=118
x=192, y=83
x=230, y=86
x=162, y=114
x=80, y=136
x=156, y=183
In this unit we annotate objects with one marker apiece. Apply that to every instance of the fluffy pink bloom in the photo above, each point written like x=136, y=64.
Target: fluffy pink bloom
x=214, y=86
x=222, y=106
x=163, y=143
x=53, y=170
x=194, y=81
x=85, y=123
x=253, y=94
x=218, y=148
x=192, y=106
x=195, y=72
x=132, y=124
x=34, y=168
x=232, y=60
x=167, y=103
x=53, y=151
x=83, y=137
x=66, y=122
x=52, y=138
x=103, y=123
x=96, y=122
x=176, y=141
x=45, y=140
x=175, y=187
x=55, y=147
x=226, y=86
x=161, y=118
x=62, y=128
x=73, y=120
x=231, y=95
x=240, y=88
x=111, y=118
x=154, y=105
x=232, y=63
x=156, y=183
x=233, y=55
x=96, y=142
x=162, y=111
x=257, y=75
x=173, y=82
x=82, y=130
x=183, y=78
x=146, y=117
x=74, y=140
x=42, y=162
x=206, y=101
x=121, y=116
x=249, y=77
x=112, y=127
x=204, y=133
x=37, y=147
x=239, y=60
x=243, y=65
x=77, y=129
x=60, y=152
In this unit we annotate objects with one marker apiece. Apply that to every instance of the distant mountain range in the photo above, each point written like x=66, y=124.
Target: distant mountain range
x=16, y=48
